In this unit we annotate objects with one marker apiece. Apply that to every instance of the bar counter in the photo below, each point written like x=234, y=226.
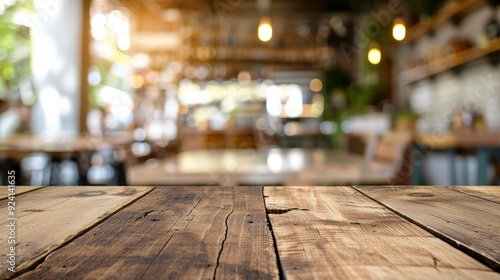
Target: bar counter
x=213, y=232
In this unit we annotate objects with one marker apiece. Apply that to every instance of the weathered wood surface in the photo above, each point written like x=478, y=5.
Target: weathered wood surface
x=458, y=214
x=487, y=192
x=51, y=216
x=4, y=190
x=174, y=233
x=338, y=233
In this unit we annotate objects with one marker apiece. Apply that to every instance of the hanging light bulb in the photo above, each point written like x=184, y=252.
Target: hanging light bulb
x=399, y=29
x=265, y=30
x=374, y=55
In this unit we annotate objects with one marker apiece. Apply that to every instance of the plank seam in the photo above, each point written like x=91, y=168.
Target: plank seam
x=469, y=194
x=275, y=245
x=477, y=256
x=18, y=194
x=38, y=262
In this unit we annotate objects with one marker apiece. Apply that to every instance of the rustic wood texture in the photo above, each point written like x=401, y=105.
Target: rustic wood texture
x=487, y=192
x=174, y=233
x=469, y=221
x=338, y=233
x=51, y=216
x=4, y=190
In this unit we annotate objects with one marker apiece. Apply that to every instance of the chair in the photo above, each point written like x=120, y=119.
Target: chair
x=383, y=160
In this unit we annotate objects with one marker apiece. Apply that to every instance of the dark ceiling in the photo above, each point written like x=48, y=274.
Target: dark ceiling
x=286, y=11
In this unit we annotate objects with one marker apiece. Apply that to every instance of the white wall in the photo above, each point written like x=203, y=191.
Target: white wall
x=56, y=37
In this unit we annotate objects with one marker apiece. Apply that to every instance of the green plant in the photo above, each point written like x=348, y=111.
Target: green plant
x=15, y=49
x=405, y=114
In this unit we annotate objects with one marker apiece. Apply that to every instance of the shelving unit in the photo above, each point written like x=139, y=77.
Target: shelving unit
x=451, y=61
x=452, y=10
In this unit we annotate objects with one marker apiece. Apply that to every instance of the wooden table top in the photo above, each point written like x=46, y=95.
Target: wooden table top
x=238, y=166
x=383, y=232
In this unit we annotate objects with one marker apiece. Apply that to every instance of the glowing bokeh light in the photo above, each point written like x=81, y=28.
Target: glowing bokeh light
x=374, y=56
x=265, y=31
x=399, y=29
x=316, y=85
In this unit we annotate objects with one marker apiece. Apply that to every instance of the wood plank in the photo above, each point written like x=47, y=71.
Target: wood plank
x=19, y=190
x=49, y=217
x=174, y=233
x=338, y=233
x=470, y=222
x=486, y=192
x=249, y=250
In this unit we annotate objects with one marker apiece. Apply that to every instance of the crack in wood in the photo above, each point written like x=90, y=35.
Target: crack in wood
x=282, y=210
x=222, y=245
x=199, y=200
x=144, y=215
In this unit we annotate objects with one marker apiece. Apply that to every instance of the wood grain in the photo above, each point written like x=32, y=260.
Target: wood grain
x=468, y=221
x=338, y=233
x=248, y=250
x=4, y=191
x=49, y=217
x=174, y=233
x=487, y=192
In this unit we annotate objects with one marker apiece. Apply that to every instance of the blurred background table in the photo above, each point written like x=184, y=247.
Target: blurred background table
x=484, y=144
x=42, y=158
x=275, y=166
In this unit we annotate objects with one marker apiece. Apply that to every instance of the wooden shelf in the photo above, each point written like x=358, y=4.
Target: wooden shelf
x=451, y=61
x=452, y=10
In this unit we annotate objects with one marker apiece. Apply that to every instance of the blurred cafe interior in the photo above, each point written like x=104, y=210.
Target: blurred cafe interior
x=254, y=92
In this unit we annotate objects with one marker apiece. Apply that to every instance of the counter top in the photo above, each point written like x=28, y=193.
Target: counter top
x=254, y=232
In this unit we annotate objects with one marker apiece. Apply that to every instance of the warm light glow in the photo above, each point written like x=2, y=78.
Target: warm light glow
x=374, y=56
x=183, y=109
x=137, y=81
x=265, y=30
x=316, y=85
x=244, y=78
x=399, y=30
